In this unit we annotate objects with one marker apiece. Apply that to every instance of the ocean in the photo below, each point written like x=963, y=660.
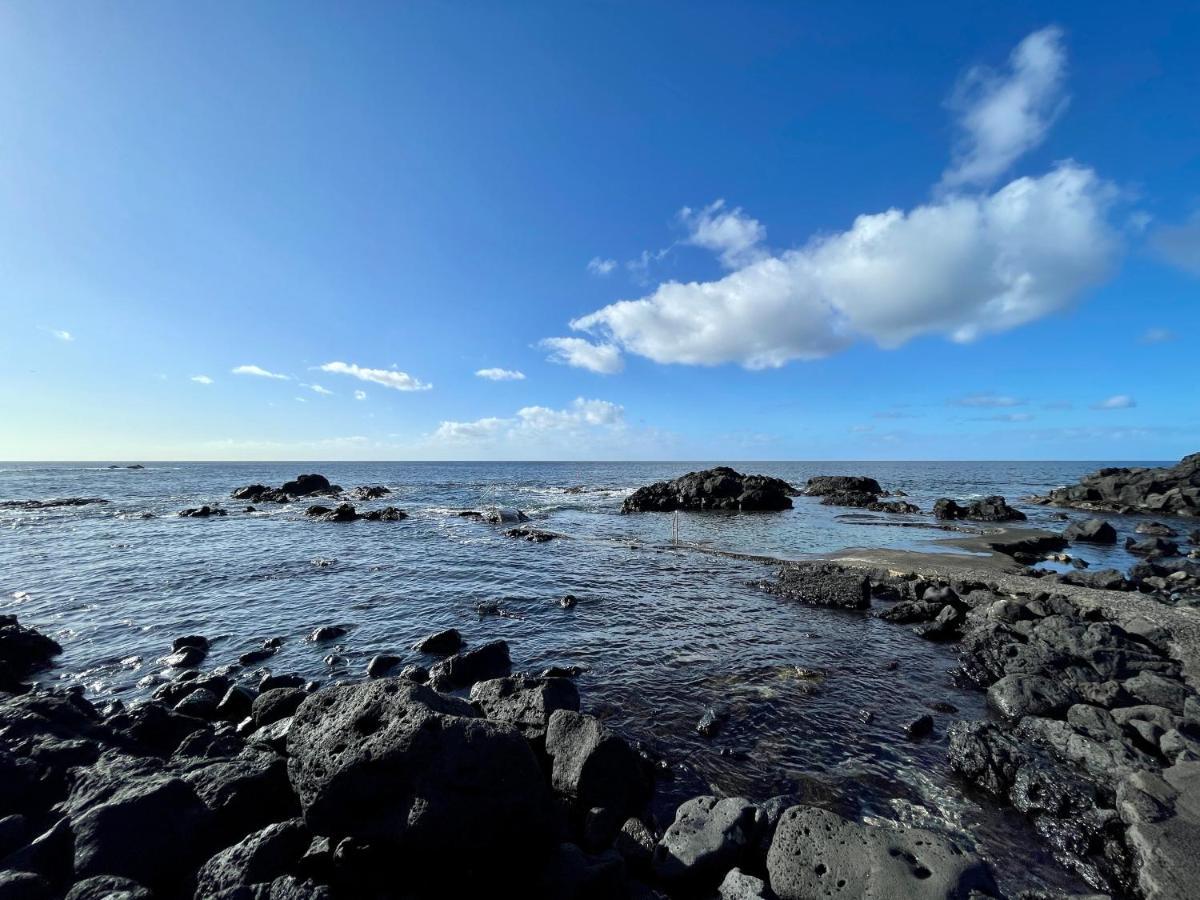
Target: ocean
x=663, y=629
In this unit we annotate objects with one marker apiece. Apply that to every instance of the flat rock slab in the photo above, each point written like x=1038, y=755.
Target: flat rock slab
x=816, y=853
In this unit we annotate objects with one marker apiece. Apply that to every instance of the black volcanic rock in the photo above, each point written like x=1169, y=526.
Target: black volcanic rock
x=302, y=486
x=989, y=509
x=1093, y=531
x=829, y=485
x=1172, y=490
x=721, y=488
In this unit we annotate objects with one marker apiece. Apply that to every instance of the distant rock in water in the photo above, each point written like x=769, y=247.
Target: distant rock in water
x=719, y=488
x=1093, y=531
x=303, y=486
x=828, y=485
x=202, y=512
x=370, y=492
x=1174, y=490
x=504, y=515
x=989, y=509
x=50, y=504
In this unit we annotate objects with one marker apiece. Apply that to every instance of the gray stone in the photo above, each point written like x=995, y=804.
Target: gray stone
x=707, y=839
x=524, y=701
x=1015, y=696
x=465, y=668
x=259, y=857
x=1158, y=691
x=740, y=886
x=108, y=887
x=823, y=584
x=817, y=853
x=594, y=767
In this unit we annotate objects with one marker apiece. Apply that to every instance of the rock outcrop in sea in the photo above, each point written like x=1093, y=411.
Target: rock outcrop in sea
x=1173, y=490
x=721, y=488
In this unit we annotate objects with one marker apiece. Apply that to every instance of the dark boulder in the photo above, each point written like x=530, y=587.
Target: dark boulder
x=22, y=652
x=258, y=858
x=387, y=514
x=306, y=485
x=370, y=492
x=829, y=485
x=466, y=667
x=593, y=767
x=533, y=535
x=988, y=509
x=1157, y=529
x=708, y=838
x=202, y=512
x=398, y=764
x=441, y=643
x=327, y=633
x=721, y=488
x=1172, y=490
x=1092, y=531
x=1152, y=547
x=381, y=664
x=276, y=703
x=108, y=887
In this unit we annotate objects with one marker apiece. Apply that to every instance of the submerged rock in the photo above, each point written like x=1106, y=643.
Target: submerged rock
x=721, y=488
x=823, y=584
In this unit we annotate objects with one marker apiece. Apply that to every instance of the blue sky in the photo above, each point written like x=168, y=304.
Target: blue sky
x=717, y=231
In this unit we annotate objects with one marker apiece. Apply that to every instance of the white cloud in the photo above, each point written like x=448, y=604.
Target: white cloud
x=536, y=423
x=1157, y=336
x=63, y=335
x=963, y=266
x=300, y=400
x=202, y=379
x=598, y=266
x=1117, y=401
x=259, y=372
x=604, y=358
x=987, y=399
x=317, y=389
x=1004, y=115
x=1179, y=244
x=360, y=395
x=389, y=378
x=729, y=233
x=500, y=374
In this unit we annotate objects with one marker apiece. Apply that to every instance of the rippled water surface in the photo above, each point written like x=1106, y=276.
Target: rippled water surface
x=664, y=631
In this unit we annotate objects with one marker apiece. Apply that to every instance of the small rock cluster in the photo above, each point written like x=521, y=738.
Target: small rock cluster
x=856, y=491
x=988, y=509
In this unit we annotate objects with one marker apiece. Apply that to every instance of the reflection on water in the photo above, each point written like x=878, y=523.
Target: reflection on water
x=664, y=632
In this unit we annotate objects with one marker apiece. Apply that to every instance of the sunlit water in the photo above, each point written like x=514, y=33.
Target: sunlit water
x=664, y=631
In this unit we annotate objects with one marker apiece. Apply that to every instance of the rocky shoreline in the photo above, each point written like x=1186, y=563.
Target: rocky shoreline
x=462, y=777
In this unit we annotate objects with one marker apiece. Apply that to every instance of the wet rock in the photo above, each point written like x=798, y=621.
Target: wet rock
x=593, y=766
x=712, y=720
x=945, y=625
x=817, y=853
x=22, y=652
x=533, y=535
x=1153, y=689
x=563, y=671
x=1164, y=829
x=191, y=640
x=721, y=488
x=568, y=602
x=918, y=728
x=276, y=703
x=287, y=679
x=707, y=839
x=370, y=492
x=387, y=514
x=186, y=657
x=202, y=512
x=826, y=485
x=1016, y=696
x=49, y=854
x=1152, y=547
x=823, y=584
x=305, y=485
x=253, y=657
x=257, y=858
x=1158, y=529
x=441, y=643
x=465, y=668
x=24, y=886
x=244, y=793
x=235, y=705
x=525, y=702
x=989, y=509
x=502, y=515
x=201, y=703
x=1101, y=579
x=154, y=833
x=327, y=633
x=108, y=887
x=415, y=673
x=343, y=512
x=381, y=664
x=398, y=763
x=1092, y=531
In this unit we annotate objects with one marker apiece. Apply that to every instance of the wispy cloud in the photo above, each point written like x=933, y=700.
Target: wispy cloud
x=570, y=351
x=535, y=421
x=731, y=234
x=1008, y=417
x=500, y=374
x=202, y=379
x=1117, y=401
x=1157, y=336
x=987, y=400
x=1179, y=245
x=62, y=335
x=1004, y=115
x=360, y=395
x=598, y=266
x=389, y=378
x=259, y=372
x=317, y=389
